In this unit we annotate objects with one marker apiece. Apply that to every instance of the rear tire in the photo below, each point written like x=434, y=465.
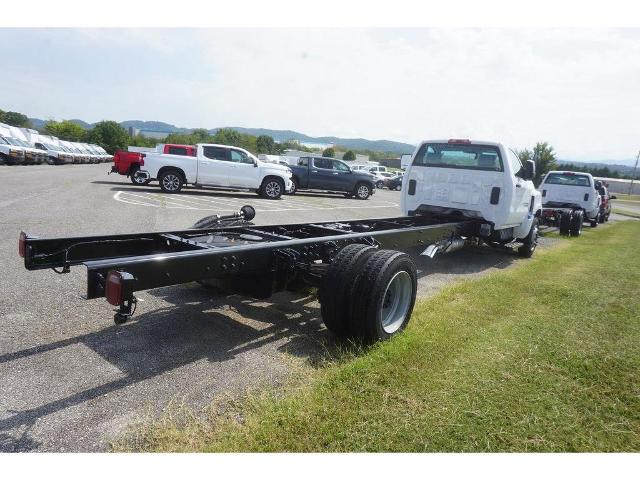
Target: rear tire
x=575, y=227
x=379, y=184
x=294, y=186
x=139, y=181
x=383, y=296
x=594, y=223
x=171, y=181
x=335, y=299
x=564, y=223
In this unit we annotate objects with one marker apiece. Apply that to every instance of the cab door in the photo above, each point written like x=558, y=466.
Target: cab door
x=244, y=171
x=522, y=192
x=321, y=174
x=214, y=167
x=342, y=176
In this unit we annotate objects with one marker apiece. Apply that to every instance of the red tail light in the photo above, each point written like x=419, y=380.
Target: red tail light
x=466, y=141
x=142, y=155
x=113, y=289
x=22, y=244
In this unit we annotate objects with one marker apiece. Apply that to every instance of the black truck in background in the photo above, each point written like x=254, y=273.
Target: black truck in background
x=329, y=174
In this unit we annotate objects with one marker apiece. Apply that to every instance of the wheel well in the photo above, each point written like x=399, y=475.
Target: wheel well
x=364, y=182
x=272, y=177
x=172, y=169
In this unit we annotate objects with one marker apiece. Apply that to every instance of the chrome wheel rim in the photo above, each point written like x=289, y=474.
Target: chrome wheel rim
x=272, y=189
x=139, y=180
x=170, y=182
x=396, y=302
x=363, y=191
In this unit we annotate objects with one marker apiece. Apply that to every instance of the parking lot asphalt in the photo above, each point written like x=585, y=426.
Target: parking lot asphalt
x=73, y=381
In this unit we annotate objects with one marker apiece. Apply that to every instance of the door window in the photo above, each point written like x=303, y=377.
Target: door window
x=341, y=167
x=215, y=153
x=240, y=157
x=323, y=163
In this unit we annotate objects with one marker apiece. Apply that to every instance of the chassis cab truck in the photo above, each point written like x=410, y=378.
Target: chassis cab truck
x=478, y=180
x=457, y=193
x=569, y=199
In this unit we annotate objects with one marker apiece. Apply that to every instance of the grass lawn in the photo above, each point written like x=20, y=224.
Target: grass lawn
x=628, y=213
x=624, y=196
x=541, y=357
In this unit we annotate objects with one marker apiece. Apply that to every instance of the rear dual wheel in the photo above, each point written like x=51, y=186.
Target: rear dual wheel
x=575, y=226
x=368, y=294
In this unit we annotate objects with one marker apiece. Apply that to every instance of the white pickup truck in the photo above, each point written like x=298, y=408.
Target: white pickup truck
x=569, y=199
x=216, y=166
x=478, y=180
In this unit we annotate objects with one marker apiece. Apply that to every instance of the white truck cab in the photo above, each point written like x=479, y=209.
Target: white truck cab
x=216, y=166
x=473, y=179
x=55, y=154
x=575, y=190
x=14, y=137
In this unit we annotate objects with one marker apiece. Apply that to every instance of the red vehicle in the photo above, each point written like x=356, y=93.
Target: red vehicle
x=128, y=163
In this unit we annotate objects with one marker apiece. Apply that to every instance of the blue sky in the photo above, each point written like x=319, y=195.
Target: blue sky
x=576, y=88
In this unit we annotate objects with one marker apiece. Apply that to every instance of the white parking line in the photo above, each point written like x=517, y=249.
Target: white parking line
x=288, y=204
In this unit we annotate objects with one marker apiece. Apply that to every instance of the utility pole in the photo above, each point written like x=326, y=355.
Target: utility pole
x=633, y=176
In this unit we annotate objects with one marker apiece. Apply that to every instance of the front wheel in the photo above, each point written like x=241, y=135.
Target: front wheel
x=530, y=242
x=363, y=191
x=171, y=182
x=272, y=188
x=379, y=184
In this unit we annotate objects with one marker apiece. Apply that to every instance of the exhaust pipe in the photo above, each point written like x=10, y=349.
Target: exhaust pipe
x=446, y=246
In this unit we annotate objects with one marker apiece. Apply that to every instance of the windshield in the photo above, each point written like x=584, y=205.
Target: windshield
x=568, y=179
x=13, y=141
x=463, y=156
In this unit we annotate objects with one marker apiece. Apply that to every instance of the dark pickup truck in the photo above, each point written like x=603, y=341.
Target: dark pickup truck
x=329, y=174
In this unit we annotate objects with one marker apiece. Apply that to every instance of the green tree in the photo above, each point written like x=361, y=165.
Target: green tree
x=266, y=144
x=15, y=119
x=142, y=141
x=543, y=156
x=65, y=130
x=349, y=156
x=545, y=159
x=329, y=152
x=109, y=135
x=200, y=135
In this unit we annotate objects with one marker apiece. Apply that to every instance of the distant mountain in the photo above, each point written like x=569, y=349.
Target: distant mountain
x=355, y=143
x=620, y=168
x=153, y=126
x=278, y=135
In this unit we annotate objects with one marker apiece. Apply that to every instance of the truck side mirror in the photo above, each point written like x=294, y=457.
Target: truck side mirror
x=529, y=170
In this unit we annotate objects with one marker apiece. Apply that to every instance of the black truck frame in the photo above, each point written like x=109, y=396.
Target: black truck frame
x=347, y=260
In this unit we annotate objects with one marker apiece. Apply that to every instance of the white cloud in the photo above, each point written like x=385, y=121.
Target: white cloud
x=578, y=89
